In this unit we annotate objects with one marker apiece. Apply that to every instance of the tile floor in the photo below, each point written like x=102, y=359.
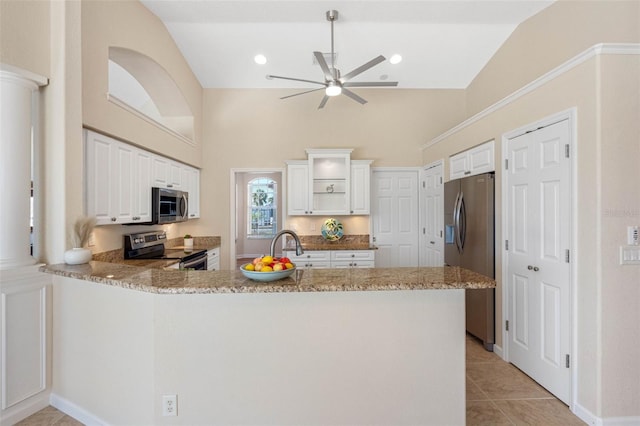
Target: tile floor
x=497, y=394
x=500, y=394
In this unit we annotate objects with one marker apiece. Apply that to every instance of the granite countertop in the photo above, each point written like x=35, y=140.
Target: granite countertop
x=317, y=242
x=311, y=280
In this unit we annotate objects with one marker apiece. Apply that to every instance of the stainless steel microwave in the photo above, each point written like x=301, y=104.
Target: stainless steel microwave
x=169, y=205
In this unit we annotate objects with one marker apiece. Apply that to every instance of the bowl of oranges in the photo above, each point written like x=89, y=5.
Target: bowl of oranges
x=268, y=268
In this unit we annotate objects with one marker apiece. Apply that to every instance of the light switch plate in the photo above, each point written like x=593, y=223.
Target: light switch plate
x=633, y=236
x=630, y=255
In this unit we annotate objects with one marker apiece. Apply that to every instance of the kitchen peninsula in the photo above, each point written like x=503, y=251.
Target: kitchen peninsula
x=358, y=346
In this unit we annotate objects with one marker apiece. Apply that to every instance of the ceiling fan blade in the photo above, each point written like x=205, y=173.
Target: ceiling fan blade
x=370, y=84
x=302, y=93
x=296, y=79
x=362, y=68
x=323, y=64
x=353, y=96
x=323, y=102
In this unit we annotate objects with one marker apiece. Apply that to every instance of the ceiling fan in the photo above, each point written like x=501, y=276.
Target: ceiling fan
x=334, y=84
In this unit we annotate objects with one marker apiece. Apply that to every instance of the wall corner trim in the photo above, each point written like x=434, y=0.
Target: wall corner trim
x=595, y=50
x=28, y=75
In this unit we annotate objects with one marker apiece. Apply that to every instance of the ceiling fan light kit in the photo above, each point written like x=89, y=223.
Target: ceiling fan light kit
x=334, y=84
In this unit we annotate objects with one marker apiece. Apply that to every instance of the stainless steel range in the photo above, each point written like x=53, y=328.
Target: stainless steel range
x=150, y=245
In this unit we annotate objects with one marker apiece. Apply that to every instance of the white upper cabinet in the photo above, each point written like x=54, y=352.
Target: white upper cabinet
x=119, y=178
x=477, y=160
x=112, y=194
x=191, y=181
x=360, y=187
x=328, y=183
x=297, y=187
x=167, y=173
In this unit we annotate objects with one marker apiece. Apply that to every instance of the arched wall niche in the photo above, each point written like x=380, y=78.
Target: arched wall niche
x=141, y=85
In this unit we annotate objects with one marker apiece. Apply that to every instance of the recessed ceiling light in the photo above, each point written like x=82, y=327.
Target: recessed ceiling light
x=260, y=59
x=395, y=59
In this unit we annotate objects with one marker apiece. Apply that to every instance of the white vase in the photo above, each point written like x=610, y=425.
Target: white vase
x=77, y=256
x=188, y=244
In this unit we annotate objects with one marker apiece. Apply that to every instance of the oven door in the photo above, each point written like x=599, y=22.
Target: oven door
x=198, y=263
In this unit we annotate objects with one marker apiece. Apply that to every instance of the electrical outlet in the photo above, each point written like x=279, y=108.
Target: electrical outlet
x=169, y=405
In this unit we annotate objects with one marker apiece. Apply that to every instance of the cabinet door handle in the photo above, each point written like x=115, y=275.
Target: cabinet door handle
x=169, y=186
x=467, y=172
x=113, y=219
x=536, y=269
x=530, y=267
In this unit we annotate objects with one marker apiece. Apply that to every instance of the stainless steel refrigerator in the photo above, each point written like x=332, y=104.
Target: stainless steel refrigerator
x=469, y=243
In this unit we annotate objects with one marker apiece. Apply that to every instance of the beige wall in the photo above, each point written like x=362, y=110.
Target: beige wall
x=549, y=38
x=254, y=128
x=24, y=35
x=130, y=25
x=604, y=91
x=619, y=206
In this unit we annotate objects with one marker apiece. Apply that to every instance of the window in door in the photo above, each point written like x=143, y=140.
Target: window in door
x=262, y=212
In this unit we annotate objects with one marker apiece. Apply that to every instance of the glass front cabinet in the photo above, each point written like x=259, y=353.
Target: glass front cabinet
x=329, y=181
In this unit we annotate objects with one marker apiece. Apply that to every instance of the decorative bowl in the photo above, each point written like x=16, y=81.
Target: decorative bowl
x=332, y=230
x=266, y=276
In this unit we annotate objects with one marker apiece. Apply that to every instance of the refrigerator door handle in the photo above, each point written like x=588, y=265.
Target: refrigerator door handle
x=463, y=223
x=456, y=222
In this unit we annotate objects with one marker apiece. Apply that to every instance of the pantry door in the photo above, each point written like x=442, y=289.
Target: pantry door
x=432, y=216
x=394, y=215
x=538, y=198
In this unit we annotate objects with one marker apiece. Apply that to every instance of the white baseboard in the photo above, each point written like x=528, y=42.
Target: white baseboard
x=24, y=409
x=621, y=421
x=590, y=419
x=586, y=416
x=498, y=351
x=75, y=411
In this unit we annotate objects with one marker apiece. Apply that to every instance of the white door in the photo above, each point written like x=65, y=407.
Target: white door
x=432, y=217
x=538, y=219
x=394, y=213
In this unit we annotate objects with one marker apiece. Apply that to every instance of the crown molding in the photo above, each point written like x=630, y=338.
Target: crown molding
x=593, y=51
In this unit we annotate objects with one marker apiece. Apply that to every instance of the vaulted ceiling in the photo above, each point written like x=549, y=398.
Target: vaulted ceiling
x=443, y=44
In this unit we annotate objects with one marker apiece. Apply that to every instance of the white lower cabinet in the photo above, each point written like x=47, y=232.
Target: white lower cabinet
x=310, y=259
x=353, y=259
x=213, y=259
x=333, y=258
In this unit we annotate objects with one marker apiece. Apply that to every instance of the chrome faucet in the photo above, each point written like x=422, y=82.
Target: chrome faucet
x=299, y=249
